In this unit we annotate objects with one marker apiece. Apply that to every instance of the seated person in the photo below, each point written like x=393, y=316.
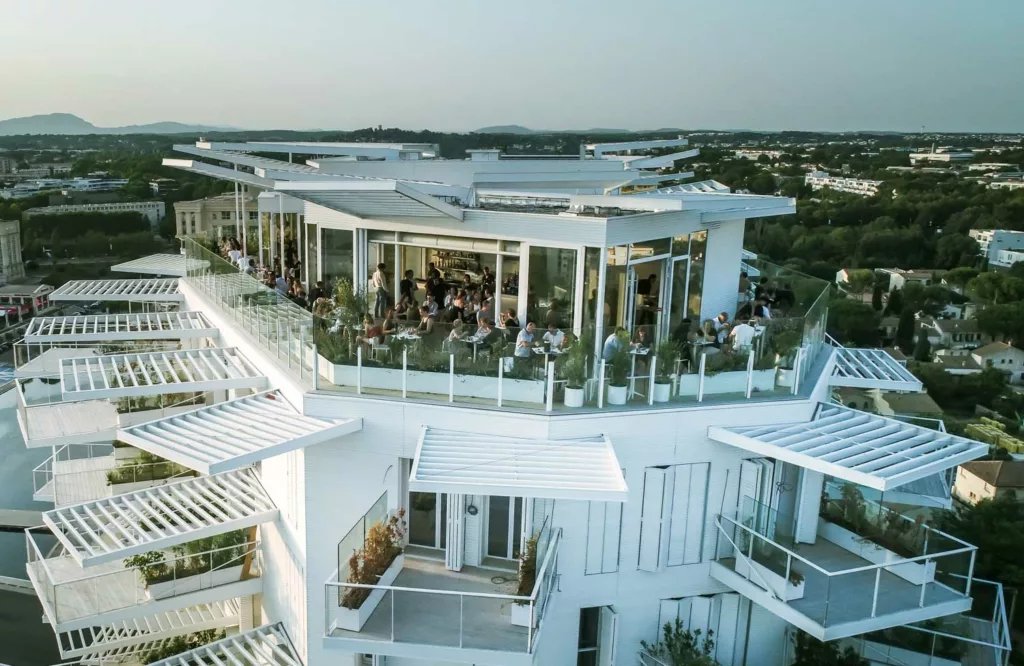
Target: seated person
x=370, y=335
x=458, y=331
x=762, y=311
x=741, y=336
x=428, y=314
x=524, y=341
x=487, y=334
x=641, y=339
x=389, y=326
x=612, y=344
x=406, y=306
x=509, y=319
x=554, y=337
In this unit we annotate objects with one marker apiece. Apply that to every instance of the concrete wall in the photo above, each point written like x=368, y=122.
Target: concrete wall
x=721, y=270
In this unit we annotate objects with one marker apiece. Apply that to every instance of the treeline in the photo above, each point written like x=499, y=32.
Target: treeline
x=86, y=235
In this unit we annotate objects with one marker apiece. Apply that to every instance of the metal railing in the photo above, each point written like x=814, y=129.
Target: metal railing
x=428, y=616
x=75, y=594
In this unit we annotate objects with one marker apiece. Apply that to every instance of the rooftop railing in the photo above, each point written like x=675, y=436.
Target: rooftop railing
x=824, y=580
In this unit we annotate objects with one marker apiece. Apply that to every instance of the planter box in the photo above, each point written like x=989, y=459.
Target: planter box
x=466, y=386
x=912, y=572
x=203, y=581
x=782, y=588
x=353, y=619
x=521, y=615
x=874, y=650
x=728, y=382
x=787, y=376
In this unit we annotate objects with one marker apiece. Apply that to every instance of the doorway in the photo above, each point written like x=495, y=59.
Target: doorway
x=504, y=527
x=428, y=518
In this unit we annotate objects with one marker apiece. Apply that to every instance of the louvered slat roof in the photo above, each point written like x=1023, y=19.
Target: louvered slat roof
x=848, y=444
x=160, y=264
x=462, y=462
x=235, y=433
x=872, y=369
x=268, y=645
x=143, y=290
x=186, y=324
x=155, y=518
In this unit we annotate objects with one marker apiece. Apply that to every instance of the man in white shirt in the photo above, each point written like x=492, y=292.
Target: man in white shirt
x=524, y=341
x=379, y=284
x=742, y=335
x=554, y=337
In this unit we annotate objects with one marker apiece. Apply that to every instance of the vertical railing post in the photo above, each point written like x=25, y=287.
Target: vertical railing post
x=874, y=597
x=359, y=370
x=970, y=573
x=750, y=373
x=650, y=381
x=462, y=613
x=405, y=371
x=600, y=386
x=451, y=377
x=796, y=370
x=924, y=585
x=501, y=376
x=549, y=403
x=700, y=378
x=316, y=366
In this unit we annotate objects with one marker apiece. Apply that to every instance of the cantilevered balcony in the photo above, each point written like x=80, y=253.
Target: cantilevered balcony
x=852, y=578
x=430, y=612
x=74, y=597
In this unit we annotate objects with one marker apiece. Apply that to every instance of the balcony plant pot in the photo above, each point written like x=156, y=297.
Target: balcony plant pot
x=521, y=615
x=353, y=619
x=917, y=573
x=785, y=377
x=662, y=392
x=201, y=581
x=573, y=397
x=902, y=655
x=617, y=395
x=783, y=589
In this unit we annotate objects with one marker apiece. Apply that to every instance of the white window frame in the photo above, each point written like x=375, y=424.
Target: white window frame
x=668, y=536
x=610, y=519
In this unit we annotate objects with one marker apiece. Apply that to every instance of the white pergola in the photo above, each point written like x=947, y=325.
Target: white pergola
x=48, y=363
x=156, y=518
x=175, y=265
x=871, y=369
x=113, y=643
x=452, y=461
x=268, y=645
x=84, y=422
x=187, y=324
x=235, y=433
x=146, y=290
x=866, y=449
x=158, y=373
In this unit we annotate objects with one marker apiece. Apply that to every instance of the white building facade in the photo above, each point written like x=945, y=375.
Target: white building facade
x=153, y=211
x=864, y=187
x=635, y=495
x=992, y=241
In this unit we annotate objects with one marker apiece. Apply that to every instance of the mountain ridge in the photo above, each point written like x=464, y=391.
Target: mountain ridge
x=70, y=124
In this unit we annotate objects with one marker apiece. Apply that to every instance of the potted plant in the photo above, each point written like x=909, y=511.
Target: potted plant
x=618, y=367
x=574, y=372
x=378, y=562
x=667, y=354
x=526, y=580
x=197, y=565
x=784, y=342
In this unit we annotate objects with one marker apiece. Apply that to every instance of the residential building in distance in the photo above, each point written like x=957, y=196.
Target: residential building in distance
x=820, y=179
x=991, y=241
x=1006, y=258
x=1007, y=181
x=7, y=164
x=900, y=278
x=152, y=210
x=33, y=187
x=523, y=519
x=959, y=334
x=11, y=265
x=212, y=217
x=941, y=155
x=1003, y=357
x=163, y=186
x=752, y=153
x=957, y=364
x=989, y=479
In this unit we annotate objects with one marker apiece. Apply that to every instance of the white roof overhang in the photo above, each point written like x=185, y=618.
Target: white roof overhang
x=371, y=199
x=244, y=159
x=84, y=422
x=157, y=373
x=174, y=265
x=462, y=462
x=156, y=518
x=233, y=175
x=182, y=325
x=866, y=449
x=48, y=363
x=235, y=433
x=268, y=645
x=660, y=161
x=872, y=369
x=148, y=290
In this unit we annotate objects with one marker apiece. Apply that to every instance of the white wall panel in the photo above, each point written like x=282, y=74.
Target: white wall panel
x=722, y=270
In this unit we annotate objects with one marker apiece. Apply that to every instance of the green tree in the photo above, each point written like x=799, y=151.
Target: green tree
x=905, y=330
x=923, y=348
x=996, y=527
x=682, y=647
x=854, y=323
x=1003, y=321
x=959, y=277
x=809, y=651
x=876, y=298
x=859, y=280
x=954, y=250
x=991, y=287
x=894, y=306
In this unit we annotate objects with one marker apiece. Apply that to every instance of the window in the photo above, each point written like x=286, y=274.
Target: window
x=672, y=516
x=225, y=215
x=552, y=286
x=252, y=214
x=336, y=252
x=590, y=619
x=604, y=529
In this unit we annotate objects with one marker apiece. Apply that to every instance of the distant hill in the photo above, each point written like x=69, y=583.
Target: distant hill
x=519, y=129
x=67, y=123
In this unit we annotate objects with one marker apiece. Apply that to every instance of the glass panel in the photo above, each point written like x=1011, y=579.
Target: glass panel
x=336, y=252
x=652, y=248
x=517, y=526
x=552, y=286
x=615, y=289
x=698, y=246
x=509, y=281
x=679, y=325
x=645, y=302
x=497, y=527
x=423, y=519
x=591, y=272
x=590, y=619
x=443, y=532
x=681, y=245
x=310, y=233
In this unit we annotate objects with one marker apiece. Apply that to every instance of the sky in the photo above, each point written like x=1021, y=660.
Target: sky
x=458, y=65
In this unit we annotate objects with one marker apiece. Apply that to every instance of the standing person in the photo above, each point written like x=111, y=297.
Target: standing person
x=379, y=282
x=407, y=287
x=524, y=341
x=743, y=292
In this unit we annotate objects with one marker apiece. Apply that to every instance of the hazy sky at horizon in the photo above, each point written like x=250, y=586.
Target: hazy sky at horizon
x=457, y=65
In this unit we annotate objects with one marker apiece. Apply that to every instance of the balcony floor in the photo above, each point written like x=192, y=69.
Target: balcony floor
x=82, y=480
x=435, y=619
x=104, y=587
x=847, y=599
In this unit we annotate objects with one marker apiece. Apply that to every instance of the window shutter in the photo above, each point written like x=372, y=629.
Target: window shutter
x=688, y=508
x=651, y=517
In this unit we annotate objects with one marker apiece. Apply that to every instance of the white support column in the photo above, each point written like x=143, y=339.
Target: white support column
x=280, y=217
x=245, y=223
x=259, y=233
x=455, y=550
x=808, y=505
x=298, y=246
x=602, y=276
x=524, y=283
x=578, y=295
x=722, y=269
x=238, y=204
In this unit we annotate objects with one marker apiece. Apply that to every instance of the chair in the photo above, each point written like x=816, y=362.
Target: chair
x=379, y=349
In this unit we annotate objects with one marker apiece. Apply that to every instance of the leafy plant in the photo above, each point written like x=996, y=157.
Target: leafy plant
x=784, y=342
x=809, y=651
x=179, y=644
x=385, y=541
x=620, y=362
x=725, y=362
x=527, y=577
x=192, y=558
x=352, y=303
x=667, y=353
x=152, y=566
x=682, y=647
x=574, y=366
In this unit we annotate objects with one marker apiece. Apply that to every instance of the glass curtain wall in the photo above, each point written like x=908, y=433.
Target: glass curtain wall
x=311, y=260
x=551, y=286
x=337, y=253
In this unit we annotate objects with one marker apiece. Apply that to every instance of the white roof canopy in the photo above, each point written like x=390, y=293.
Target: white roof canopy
x=371, y=199
x=160, y=264
x=157, y=373
x=268, y=645
x=107, y=327
x=873, y=369
x=127, y=637
x=113, y=528
x=462, y=462
x=83, y=422
x=235, y=433
x=866, y=449
x=48, y=363
x=142, y=290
